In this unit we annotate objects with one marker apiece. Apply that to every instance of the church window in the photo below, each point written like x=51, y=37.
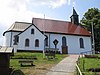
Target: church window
x=32, y=31
x=81, y=43
x=27, y=43
x=63, y=41
x=46, y=41
x=16, y=39
x=36, y=43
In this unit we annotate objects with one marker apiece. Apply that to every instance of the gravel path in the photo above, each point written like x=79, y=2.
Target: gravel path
x=65, y=67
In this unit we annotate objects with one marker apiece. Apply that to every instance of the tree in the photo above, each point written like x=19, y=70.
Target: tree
x=92, y=16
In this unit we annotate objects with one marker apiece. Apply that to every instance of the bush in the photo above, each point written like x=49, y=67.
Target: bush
x=17, y=72
x=91, y=56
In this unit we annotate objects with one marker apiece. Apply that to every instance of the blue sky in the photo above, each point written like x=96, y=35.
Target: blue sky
x=24, y=10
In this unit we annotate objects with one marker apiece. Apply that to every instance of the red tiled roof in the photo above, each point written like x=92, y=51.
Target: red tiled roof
x=56, y=26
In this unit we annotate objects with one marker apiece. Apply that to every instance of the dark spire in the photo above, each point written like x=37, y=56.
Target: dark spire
x=74, y=17
x=74, y=12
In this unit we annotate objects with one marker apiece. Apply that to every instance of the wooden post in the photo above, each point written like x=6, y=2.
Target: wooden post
x=83, y=65
x=93, y=43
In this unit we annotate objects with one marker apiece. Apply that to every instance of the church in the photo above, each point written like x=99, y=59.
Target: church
x=70, y=37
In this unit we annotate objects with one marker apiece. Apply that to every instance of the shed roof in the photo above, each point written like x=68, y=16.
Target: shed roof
x=5, y=49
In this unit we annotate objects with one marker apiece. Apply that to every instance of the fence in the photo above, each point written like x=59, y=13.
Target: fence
x=77, y=67
x=84, y=70
x=78, y=70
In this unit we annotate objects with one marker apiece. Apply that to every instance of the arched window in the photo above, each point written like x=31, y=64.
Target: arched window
x=46, y=41
x=81, y=43
x=63, y=41
x=16, y=39
x=27, y=43
x=36, y=43
x=32, y=31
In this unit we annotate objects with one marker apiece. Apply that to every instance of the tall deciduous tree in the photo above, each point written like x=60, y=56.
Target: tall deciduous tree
x=92, y=16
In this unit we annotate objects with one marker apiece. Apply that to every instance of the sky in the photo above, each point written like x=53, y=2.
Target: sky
x=24, y=10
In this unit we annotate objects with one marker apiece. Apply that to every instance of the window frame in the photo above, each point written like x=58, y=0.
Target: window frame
x=81, y=41
x=46, y=41
x=64, y=41
x=32, y=31
x=27, y=42
x=16, y=40
x=37, y=43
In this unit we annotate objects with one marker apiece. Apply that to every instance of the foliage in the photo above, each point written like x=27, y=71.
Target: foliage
x=92, y=16
x=87, y=63
x=17, y=72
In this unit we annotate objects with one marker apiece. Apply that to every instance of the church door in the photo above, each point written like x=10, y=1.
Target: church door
x=64, y=46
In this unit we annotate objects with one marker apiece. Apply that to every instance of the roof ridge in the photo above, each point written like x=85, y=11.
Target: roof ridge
x=23, y=22
x=51, y=19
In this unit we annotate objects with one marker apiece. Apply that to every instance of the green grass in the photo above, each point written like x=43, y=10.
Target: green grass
x=86, y=63
x=41, y=61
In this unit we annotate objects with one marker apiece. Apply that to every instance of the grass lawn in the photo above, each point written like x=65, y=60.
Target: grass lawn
x=86, y=63
x=42, y=65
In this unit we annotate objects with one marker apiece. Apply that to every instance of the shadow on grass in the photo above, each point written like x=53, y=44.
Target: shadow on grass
x=27, y=65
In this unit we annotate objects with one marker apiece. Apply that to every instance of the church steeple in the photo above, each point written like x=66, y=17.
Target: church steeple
x=74, y=17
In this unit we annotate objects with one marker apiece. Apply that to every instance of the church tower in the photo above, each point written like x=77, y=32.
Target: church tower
x=74, y=17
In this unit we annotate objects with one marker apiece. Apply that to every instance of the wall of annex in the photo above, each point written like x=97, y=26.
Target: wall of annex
x=32, y=37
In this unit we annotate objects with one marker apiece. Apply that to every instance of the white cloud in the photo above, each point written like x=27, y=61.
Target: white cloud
x=14, y=10
x=17, y=10
x=50, y=3
x=58, y=3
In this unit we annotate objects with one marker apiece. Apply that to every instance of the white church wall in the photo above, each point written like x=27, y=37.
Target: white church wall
x=72, y=42
x=9, y=38
x=57, y=37
x=87, y=44
x=74, y=45
x=32, y=37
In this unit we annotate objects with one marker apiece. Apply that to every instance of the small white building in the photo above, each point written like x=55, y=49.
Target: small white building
x=41, y=33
